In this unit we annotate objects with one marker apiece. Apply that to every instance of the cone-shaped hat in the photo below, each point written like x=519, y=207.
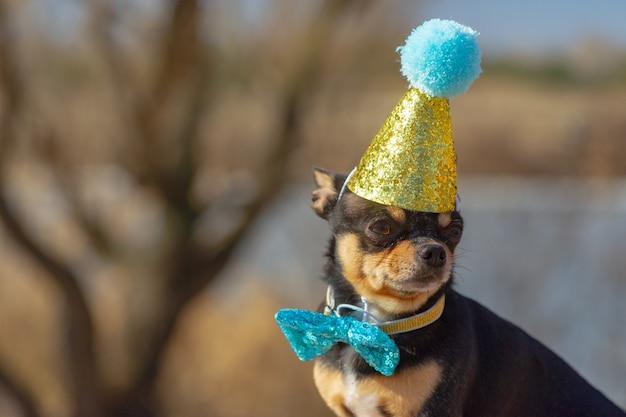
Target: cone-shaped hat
x=411, y=162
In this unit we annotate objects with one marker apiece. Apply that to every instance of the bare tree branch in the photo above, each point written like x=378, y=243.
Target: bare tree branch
x=83, y=374
x=193, y=268
x=164, y=160
x=129, y=102
x=22, y=398
x=182, y=68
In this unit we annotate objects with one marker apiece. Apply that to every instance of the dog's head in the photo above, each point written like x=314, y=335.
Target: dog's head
x=395, y=258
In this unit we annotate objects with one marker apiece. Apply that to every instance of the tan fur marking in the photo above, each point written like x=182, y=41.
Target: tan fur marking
x=350, y=257
x=324, y=180
x=385, y=278
x=321, y=198
x=397, y=214
x=331, y=386
x=400, y=259
x=324, y=194
x=405, y=393
x=444, y=219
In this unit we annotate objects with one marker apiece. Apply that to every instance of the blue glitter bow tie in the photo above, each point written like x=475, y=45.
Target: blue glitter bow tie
x=312, y=334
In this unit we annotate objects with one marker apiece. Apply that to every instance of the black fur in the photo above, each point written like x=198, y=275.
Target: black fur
x=490, y=366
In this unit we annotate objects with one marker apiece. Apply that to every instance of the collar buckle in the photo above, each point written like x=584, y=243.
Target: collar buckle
x=407, y=324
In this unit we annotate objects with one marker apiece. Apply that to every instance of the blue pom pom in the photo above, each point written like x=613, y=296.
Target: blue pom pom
x=441, y=58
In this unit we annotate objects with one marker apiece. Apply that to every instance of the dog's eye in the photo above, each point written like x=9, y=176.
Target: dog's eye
x=454, y=231
x=380, y=227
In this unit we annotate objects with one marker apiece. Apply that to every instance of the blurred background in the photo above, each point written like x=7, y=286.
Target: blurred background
x=155, y=179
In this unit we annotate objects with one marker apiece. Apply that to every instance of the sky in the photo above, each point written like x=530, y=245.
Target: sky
x=505, y=25
x=535, y=25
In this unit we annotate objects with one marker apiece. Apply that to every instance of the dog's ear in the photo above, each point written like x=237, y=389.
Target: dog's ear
x=328, y=186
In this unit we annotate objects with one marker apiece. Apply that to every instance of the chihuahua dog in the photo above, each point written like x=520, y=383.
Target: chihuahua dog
x=468, y=362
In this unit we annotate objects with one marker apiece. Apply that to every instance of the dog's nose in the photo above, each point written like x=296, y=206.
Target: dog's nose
x=433, y=255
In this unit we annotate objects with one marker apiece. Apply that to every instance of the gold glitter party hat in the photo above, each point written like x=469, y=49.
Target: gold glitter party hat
x=411, y=162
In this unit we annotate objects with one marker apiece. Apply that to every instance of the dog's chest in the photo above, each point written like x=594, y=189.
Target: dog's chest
x=400, y=395
x=360, y=401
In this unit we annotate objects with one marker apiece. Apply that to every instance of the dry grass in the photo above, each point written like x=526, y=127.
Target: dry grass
x=230, y=359
x=503, y=126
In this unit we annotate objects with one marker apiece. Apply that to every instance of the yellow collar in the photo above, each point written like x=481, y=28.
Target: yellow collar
x=404, y=325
